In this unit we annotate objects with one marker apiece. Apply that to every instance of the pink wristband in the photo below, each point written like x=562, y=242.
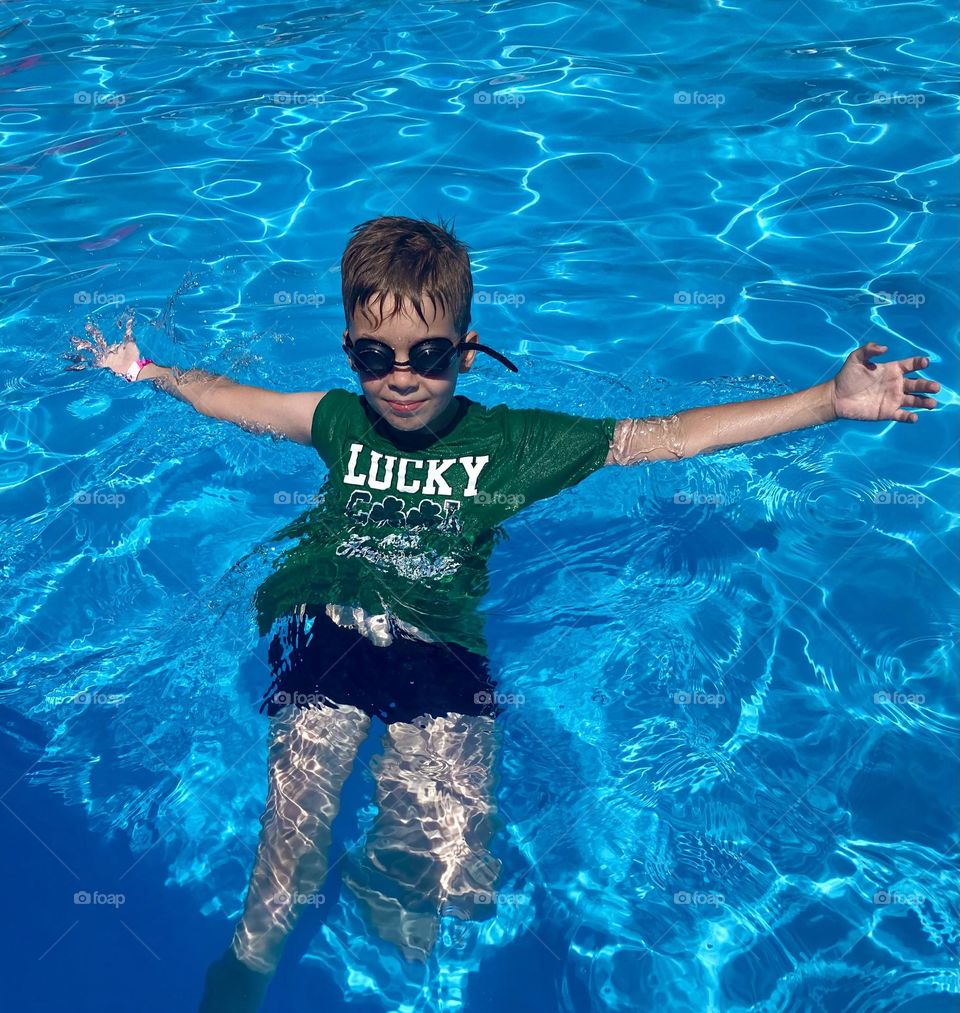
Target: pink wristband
x=134, y=371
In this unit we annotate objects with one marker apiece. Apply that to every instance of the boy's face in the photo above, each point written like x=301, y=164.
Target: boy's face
x=406, y=400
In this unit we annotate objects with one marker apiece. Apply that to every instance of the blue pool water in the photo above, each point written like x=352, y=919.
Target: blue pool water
x=669, y=203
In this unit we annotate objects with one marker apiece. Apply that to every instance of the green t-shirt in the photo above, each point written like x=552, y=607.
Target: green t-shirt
x=405, y=522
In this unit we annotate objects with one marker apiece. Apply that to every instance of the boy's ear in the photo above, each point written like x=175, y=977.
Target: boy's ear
x=466, y=358
x=344, y=336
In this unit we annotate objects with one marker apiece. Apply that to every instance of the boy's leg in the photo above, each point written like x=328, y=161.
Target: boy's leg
x=426, y=852
x=310, y=756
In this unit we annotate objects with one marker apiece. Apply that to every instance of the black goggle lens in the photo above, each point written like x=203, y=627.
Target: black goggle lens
x=428, y=358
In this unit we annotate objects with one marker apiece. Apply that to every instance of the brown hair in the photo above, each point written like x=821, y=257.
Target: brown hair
x=408, y=259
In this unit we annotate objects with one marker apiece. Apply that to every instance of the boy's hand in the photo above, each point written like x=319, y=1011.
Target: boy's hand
x=118, y=358
x=874, y=391
x=255, y=409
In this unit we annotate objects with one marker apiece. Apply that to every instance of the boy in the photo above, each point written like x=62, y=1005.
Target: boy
x=375, y=608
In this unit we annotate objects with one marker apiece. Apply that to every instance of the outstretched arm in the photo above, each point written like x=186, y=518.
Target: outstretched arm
x=863, y=390
x=255, y=409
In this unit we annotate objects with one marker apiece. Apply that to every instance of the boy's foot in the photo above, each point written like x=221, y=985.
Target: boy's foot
x=232, y=987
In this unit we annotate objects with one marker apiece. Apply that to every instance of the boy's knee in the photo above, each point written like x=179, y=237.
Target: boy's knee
x=414, y=933
x=257, y=953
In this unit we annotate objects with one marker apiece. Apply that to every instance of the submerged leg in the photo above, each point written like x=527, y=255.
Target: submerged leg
x=426, y=853
x=310, y=756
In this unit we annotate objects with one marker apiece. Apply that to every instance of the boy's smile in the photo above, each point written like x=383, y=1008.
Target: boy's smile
x=406, y=400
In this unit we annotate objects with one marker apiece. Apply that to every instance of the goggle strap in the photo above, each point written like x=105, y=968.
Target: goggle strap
x=476, y=346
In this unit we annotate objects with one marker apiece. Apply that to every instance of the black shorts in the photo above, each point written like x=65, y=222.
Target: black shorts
x=325, y=663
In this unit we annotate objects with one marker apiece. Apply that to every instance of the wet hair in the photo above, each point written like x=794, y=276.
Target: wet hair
x=408, y=259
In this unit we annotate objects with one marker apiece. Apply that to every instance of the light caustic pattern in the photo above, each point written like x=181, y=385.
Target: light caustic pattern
x=726, y=766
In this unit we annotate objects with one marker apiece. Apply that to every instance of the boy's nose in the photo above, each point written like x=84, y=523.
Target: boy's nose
x=402, y=381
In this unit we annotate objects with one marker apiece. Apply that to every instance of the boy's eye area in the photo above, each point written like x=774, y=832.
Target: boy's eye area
x=432, y=355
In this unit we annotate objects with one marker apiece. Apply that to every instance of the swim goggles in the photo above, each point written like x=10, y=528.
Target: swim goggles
x=430, y=357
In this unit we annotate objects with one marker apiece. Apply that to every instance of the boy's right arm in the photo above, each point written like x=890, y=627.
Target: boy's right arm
x=256, y=409
x=253, y=408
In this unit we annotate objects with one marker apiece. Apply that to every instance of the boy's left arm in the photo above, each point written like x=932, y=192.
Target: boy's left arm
x=863, y=390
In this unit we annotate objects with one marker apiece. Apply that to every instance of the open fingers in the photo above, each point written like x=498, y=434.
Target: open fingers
x=914, y=401
x=97, y=335
x=913, y=391
x=901, y=416
x=913, y=363
x=864, y=352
